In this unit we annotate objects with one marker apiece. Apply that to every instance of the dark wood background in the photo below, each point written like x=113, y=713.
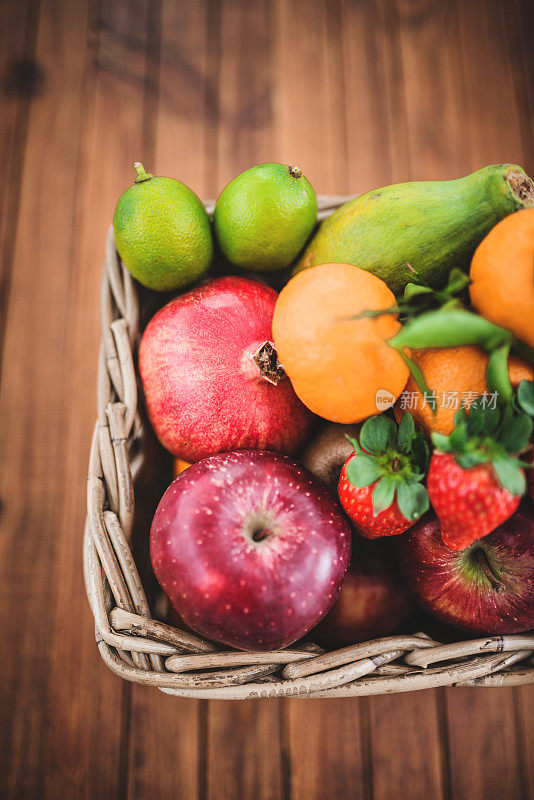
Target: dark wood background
x=358, y=94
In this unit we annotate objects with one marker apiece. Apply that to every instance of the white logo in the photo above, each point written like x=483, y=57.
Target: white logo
x=384, y=400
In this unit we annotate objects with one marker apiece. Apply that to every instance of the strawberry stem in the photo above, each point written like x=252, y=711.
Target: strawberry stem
x=485, y=566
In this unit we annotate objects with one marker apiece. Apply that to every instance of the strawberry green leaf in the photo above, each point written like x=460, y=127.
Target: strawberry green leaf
x=477, y=418
x=525, y=397
x=363, y=471
x=460, y=416
x=420, y=454
x=405, y=433
x=515, y=436
x=383, y=494
x=510, y=475
x=471, y=458
x=441, y=442
x=412, y=499
x=355, y=444
x=459, y=437
x=378, y=434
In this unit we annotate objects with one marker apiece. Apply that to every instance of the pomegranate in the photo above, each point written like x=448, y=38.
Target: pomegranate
x=250, y=548
x=211, y=377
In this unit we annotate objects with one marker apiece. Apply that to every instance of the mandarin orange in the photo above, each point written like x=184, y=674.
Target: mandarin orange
x=502, y=275
x=454, y=376
x=340, y=365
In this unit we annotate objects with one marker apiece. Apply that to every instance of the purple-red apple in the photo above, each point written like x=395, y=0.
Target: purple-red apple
x=372, y=602
x=250, y=548
x=211, y=376
x=486, y=588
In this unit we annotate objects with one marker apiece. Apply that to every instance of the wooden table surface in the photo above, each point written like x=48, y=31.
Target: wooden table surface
x=358, y=94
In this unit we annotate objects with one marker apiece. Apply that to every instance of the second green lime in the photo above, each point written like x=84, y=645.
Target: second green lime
x=264, y=217
x=162, y=232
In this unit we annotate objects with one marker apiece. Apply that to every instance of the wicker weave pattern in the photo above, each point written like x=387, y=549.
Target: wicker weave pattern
x=142, y=650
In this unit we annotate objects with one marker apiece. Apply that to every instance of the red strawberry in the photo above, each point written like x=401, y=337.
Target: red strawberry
x=475, y=481
x=469, y=503
x=379, y=486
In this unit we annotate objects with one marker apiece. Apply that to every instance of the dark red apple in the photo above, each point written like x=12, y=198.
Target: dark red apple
x=250, y=548
x=372, y=602
x=210, y=374
x=486, y=588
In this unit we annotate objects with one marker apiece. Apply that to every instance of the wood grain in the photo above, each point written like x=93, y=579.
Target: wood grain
x=327, y=756
x=166, y=748
x=243, y=750
x=243, y=744
x=20, y=78
x=524, y=708
x=484, y=762
x=308, y=105
x=357, y=94
x=407, y=748
x=58, y=704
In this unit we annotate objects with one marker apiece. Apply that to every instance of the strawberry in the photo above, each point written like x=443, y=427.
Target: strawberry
x=475, y=481
x=469, y=503
x=380, y=483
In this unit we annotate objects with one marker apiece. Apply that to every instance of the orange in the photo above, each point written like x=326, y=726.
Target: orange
x=502, y=275
x=454, y=376
x=179, y=466
x=339, y=366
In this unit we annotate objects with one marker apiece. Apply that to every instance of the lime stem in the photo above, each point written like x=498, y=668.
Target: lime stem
x=142, y=175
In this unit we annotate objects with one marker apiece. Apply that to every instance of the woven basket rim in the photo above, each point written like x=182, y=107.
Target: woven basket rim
x=140, y=649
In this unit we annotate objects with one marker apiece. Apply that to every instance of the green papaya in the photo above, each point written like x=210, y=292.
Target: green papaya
x=431, y=225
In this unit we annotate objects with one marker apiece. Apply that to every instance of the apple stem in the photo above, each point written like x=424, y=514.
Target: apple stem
x=482, y=559
x=266, y=359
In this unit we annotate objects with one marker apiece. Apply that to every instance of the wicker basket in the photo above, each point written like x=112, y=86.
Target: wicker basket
x=141, y=649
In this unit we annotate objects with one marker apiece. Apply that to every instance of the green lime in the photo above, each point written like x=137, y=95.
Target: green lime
x=162, y=232
x=264, y=217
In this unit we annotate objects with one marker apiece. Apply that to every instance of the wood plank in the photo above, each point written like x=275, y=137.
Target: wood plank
x=492, y=130
x=524, y=697
x=491, y=765
x=375, y=120
x=328, y=749
x=324, y=752
x=484, y=757
x=434, y=110
x=166, y=733
x=308, y=103
x=243, y=750
x=164, y=738
x=187, y=102
x=20, y=78
x=405, y=729
x=242, y=739
x=111, y=140
x=244, y=89
x=407, y=746
x=522, y=56
x=57, y=714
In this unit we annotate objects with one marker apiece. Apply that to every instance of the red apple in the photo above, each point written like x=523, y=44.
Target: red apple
x=486, y=588
x=250, y=548
x=372, y=602
x=211, y=377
